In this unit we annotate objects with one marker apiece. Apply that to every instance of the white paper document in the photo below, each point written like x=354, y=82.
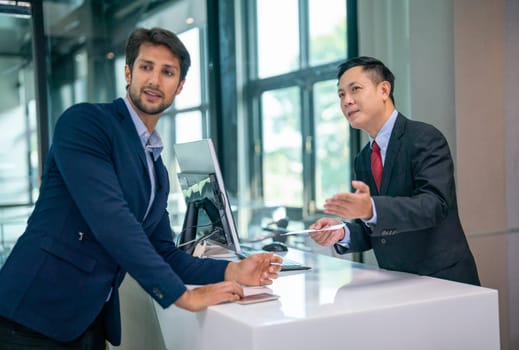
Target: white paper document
x=305, y=232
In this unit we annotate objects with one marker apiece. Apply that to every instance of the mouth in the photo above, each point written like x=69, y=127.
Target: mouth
x=153, y=93
x=350, y=114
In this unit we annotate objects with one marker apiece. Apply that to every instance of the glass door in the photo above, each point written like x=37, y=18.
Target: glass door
x=18, y=144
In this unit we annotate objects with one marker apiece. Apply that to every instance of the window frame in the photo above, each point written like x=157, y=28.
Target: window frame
x=304, y=78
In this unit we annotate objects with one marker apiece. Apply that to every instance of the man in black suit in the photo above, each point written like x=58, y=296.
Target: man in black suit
x=408, y=212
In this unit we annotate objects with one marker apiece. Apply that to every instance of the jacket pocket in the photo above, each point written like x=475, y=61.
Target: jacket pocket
x=70, y=255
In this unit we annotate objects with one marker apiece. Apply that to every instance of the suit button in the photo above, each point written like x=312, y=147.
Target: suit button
x=383, y=241
x=158, y=293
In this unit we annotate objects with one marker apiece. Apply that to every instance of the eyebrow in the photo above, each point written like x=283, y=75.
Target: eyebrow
x=348, y=86
x=170, y=66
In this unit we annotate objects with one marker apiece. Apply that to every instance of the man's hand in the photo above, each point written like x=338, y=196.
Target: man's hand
x=326, y=238
x=355, y=205
x=200, y=298
x=256, y=270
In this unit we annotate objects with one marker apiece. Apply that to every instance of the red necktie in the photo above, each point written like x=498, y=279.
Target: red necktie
x=376, y=164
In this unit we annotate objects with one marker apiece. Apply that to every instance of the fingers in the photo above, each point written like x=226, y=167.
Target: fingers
x=339, y=203
x=328, y=238
x=360, y=187
x=276, y=259
x=351, y=205
x=211, y=294
x=228, y=290
x=271, y=267
x=335, y=208
x=324, y=222
x=258, y=269
x=267, y=278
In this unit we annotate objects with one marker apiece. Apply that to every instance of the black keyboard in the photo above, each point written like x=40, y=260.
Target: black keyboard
x=286, y=265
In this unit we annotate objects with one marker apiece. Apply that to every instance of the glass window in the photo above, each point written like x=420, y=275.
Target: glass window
x=14, y=165
x=277, y=36
x=55, y=12
x=188, y=126
x=327, y=27
x=19, y=146
x=191, y=95
x=120, y=80
x=282, y=154
x=332, y=149
x=80, y=83
x=292, y=100
x=18, y=167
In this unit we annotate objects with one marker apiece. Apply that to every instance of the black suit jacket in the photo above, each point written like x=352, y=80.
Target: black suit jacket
x=418, y=229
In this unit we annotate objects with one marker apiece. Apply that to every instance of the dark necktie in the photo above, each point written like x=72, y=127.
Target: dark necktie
x=376, y=164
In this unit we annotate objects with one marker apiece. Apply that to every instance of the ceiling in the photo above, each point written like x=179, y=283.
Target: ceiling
x=15, y=38
x=68, y=23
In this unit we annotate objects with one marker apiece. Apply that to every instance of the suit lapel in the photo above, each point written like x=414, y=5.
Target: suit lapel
x=161, y=196
x=131, y=131
x=392, y=153
x=138, y=200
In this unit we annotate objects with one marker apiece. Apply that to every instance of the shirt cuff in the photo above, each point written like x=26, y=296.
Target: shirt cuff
x=373, y=220
x=345, y=242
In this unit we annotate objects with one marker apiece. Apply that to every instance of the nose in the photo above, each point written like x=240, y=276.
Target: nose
x=154, y=77
x=347, y=99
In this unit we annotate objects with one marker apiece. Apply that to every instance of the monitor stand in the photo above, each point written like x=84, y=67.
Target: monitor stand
x=190, y=225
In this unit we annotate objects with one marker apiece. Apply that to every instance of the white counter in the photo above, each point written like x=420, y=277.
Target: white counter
x=339, y=304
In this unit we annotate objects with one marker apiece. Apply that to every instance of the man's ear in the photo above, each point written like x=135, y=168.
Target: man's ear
x=127, y=74
x=180, y=87
x=385, y=88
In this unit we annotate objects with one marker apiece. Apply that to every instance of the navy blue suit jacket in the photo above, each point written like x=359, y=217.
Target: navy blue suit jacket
x=87, y=231
x=418, y=229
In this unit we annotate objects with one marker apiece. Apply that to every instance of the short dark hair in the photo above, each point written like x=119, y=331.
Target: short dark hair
x=374, y=67
x=157, y=36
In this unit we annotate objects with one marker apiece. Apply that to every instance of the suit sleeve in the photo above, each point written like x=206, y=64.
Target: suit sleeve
x=190, y=269
x=359, y=238
x=83, y=149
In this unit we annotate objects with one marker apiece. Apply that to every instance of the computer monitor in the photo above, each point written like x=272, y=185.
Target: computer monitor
x=209, y=215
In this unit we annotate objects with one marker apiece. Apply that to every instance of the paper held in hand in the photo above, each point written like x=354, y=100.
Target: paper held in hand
x=305, y=232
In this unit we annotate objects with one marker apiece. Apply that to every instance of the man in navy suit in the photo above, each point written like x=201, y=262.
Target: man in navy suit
x=407, y=214
x=102, y=212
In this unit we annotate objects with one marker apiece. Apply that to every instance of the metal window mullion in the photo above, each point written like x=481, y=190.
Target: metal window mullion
x=40, y=77
x=304, y=34
x=308, y=147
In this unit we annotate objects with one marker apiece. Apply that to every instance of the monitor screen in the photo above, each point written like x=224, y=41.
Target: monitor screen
x=209, y=213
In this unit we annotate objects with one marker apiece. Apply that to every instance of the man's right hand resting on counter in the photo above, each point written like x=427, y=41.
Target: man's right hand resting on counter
x=256, y=270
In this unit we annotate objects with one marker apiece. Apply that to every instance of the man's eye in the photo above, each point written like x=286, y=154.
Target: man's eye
x=168, y=73
x=146, y=67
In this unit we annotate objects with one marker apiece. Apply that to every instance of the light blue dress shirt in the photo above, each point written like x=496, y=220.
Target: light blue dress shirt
x=382, y=139
x=152, y=145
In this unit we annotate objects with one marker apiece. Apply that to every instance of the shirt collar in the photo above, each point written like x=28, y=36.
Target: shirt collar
x=150, y=142
x=384, y=134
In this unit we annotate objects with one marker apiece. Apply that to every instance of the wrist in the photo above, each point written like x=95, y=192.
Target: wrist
x=369, y=213
x=184, y=300
x=231, y=272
